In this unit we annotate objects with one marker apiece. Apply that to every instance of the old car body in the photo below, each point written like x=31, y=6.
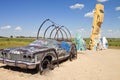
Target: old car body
x=32, y=55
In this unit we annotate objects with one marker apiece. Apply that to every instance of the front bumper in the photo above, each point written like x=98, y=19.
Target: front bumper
x=21, y=64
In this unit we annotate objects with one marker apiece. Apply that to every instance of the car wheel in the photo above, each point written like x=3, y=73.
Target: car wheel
x=73, y=52
x=45, y=65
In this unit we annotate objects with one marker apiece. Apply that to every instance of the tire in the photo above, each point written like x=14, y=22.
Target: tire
x=45, y=65
x=73, y=52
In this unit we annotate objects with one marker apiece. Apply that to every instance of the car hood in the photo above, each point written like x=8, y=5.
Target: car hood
x=25, y=50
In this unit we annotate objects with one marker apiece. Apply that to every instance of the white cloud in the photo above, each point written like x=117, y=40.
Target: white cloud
x=18, y=28
x=89, y=14
x=5, y=27
x=117, y=8
x=102, y=0
x=80, y=30
x=111, y=33
x=118, y=17
x=77, y=6
x=110, y=30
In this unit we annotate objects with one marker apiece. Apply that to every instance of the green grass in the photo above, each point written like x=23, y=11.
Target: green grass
x=114, y=43
x=14, y=42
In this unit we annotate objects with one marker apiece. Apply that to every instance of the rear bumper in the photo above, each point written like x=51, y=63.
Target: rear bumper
x=21, y=64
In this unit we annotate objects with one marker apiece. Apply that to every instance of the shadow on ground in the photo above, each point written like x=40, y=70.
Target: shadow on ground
x=12, y=68
x=29, y=71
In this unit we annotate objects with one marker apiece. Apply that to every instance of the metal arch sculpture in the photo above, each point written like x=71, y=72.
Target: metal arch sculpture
x=66, y=29
x=59, y=30
x=55, y=27
x=42, y=25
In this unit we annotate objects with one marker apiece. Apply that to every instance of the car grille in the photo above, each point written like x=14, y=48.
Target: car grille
x=15, y=56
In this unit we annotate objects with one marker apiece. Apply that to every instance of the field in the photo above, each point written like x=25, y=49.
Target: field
x=14, y=42
x=114, y=43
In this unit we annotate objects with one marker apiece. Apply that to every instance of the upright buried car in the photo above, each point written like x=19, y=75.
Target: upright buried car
x=41, y=54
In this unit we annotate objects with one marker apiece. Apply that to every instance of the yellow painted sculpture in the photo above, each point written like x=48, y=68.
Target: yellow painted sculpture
x=97, y=21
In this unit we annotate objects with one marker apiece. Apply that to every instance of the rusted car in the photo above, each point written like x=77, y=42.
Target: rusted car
x=40, y=54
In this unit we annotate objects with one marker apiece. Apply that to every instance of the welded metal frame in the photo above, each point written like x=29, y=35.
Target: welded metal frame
x=62, y=28
x=57, y=28
x=57, y=33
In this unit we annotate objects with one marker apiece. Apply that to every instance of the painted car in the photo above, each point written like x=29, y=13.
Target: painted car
x=39, y=54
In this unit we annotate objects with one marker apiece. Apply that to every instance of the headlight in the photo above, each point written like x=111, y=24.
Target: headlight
x=24, y=56
x=30, y=58
x=3, y=54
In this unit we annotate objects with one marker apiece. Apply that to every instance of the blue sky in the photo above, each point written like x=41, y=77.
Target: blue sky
x=23, y=17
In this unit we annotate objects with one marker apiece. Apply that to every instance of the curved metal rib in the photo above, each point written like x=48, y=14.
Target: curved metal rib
x=60, y=31
x=41, y=27
x=47, y=29
x=66, y=29
x=56, y=31
x=53, y=30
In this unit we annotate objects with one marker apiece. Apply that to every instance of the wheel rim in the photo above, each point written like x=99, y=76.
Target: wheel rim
x=73, y=52
x=45, y=64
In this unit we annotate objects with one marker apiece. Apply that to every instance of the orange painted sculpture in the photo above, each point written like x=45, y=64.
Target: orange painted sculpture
x=97, y=21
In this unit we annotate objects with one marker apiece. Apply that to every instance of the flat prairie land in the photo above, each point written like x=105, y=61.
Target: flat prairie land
x=90, y=65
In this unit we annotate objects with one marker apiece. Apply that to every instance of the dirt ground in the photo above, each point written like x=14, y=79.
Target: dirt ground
x=90, y=65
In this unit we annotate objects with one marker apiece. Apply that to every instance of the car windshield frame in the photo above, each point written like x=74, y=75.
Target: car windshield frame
x=39, y=43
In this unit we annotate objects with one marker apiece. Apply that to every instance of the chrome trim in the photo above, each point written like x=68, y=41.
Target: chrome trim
x=21, y=64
